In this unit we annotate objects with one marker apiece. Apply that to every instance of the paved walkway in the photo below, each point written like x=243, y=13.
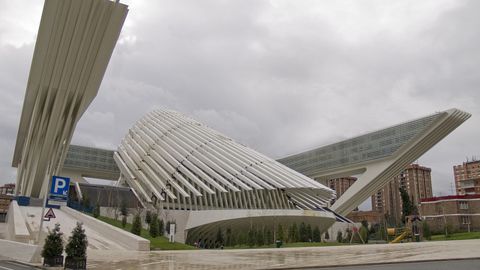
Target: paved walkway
x=284, y=257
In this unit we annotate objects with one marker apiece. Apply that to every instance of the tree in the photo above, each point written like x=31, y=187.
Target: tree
x=161, y=227
x=228, y=237
x=136, y=225
x=153, y=230
x=251, y=237
x=326, y=235
x=167, y=227
x=427, y=234
x=364, y=234
x=280, y=233
x=365, y=223
x=293, y=233
x=77, y=243
x=123, y=208
x=302, y=231
x=96, y=210
x=124, y=221
x=219, y=241
x=308, y=231
x=259, y=238
x=241, y=238
x=348, y=235
x=53, y=246
x=148, y=217
x=339, y=237
x=316, y=234
x=448, y=229
x=382, y=231
x=85, y=203
x=268, y=237
x=407, y=206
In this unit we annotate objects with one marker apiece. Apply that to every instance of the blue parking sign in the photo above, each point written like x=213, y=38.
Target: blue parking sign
x=60, y=186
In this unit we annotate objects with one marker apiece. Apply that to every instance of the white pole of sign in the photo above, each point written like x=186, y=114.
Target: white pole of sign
x=43, y=210
x=37, y=255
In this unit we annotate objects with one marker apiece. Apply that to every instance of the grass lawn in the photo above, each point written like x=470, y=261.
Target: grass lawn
x=159, y=242
x=457, y=236
x=313, y=244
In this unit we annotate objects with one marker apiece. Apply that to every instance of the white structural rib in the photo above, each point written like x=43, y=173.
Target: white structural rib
x=74, y=44
x=174, y=154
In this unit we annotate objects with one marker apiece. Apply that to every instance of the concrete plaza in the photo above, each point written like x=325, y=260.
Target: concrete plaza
x=285, y=257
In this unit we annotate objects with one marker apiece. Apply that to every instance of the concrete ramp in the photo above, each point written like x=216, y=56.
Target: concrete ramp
x=101, y=236
x=17, y=250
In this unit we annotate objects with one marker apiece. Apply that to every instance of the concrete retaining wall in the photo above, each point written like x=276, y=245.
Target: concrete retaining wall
x=16, y=226
x=339, y=227
x=180, y=218
x=110, y=213
x=126, y=239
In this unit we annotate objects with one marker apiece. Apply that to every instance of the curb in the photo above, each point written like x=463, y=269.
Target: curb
x=367, y=264
x=24, y=263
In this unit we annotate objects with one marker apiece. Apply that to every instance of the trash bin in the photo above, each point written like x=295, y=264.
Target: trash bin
x=23, y=200
x=279, y=243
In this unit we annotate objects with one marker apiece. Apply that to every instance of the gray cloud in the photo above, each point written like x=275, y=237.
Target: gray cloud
x=279, y=76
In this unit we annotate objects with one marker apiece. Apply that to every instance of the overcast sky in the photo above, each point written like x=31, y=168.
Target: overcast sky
x=279, y=76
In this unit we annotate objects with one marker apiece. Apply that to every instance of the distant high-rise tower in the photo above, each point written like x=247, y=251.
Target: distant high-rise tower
x=417, y=182
x=340, y=185
x=467, y=178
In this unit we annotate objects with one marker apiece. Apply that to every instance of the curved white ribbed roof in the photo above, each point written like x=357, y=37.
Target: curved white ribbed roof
x=184, y=164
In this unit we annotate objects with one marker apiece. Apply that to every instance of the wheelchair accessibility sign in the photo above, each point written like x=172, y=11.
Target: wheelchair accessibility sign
x=59, y=190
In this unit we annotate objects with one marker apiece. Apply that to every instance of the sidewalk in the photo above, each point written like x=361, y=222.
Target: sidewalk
x=285, y=257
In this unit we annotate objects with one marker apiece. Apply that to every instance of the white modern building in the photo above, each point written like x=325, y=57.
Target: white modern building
x=195, y=176
x=204, y=180
x=201, y=179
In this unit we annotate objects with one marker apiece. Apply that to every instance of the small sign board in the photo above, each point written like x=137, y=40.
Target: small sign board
x=50, y=214
x=58, y=194
x=171, y=234
x=60, y=186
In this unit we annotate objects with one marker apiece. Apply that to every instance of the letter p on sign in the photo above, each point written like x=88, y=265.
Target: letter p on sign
x=59, y=185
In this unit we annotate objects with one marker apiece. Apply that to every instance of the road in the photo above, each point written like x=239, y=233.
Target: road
x=12, y=265
x=464, y=264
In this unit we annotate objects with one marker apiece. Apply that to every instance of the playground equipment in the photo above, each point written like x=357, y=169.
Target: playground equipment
x=407, y=233
x=411, y=232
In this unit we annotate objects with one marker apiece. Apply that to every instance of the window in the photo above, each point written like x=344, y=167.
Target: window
x=465, y=220
x=463, y=205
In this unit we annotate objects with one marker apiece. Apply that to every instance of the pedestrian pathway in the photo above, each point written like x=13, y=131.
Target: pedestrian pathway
x=284, y=257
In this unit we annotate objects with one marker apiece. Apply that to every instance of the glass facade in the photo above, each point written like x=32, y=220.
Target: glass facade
x=375, y=145
x=90, y=159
